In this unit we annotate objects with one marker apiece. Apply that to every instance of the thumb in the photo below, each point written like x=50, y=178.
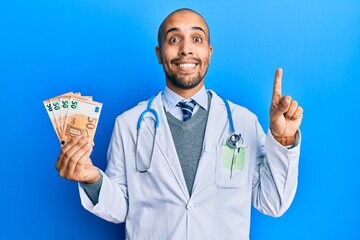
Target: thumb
x=285, y=104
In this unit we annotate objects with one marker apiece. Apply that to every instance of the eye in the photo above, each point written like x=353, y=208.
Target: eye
x=174, y=40
x=198, y=39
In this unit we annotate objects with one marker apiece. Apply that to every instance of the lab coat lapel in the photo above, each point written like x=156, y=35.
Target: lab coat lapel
x=166, y=145
x=217, y=126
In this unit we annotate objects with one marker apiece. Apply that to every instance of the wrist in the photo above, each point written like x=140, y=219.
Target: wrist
x=95, y=179
x=285, y=140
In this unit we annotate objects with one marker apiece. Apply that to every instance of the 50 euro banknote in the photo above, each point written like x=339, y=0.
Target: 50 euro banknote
x=73, y=115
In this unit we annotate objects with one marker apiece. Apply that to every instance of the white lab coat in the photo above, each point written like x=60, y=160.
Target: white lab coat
x=157, y=205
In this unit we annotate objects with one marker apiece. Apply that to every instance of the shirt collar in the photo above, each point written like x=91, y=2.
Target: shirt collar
x=171, y=99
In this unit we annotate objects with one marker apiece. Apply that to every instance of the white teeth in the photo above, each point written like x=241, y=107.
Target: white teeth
x=187, y=65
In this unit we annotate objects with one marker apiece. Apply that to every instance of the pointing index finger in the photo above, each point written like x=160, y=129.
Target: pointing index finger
x=277, y=84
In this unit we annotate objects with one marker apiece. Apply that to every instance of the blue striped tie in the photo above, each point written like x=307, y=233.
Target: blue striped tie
x=187, y=109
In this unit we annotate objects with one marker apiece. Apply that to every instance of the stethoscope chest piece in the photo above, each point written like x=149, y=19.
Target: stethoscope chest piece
x=235, y=141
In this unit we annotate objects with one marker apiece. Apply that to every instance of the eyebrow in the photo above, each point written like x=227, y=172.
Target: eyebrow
x=178, y=30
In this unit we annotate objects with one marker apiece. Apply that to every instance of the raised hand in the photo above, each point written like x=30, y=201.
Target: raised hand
x=74, y=161
x=285, y=114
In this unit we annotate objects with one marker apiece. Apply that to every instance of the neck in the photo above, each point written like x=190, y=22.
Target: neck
x=185, y=93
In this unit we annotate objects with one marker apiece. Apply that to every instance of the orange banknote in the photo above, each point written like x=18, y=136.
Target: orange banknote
x=73, y=115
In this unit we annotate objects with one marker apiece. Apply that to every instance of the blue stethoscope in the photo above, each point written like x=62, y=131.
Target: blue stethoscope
x=235, y=140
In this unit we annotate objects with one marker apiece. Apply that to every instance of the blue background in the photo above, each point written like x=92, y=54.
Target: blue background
x=106, y=49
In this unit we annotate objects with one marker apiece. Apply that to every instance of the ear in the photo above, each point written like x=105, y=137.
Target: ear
x=158, y=54
x=210, y=52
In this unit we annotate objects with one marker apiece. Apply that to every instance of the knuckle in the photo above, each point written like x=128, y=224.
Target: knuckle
x=75, y=176
x=71, y=176
x=73, y=160
x=66, y=155
x=62, y=174
x=301, y=110
x=79, y=165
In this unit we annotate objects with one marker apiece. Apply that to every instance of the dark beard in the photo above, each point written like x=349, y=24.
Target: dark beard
x=178, y=80
x=180, y=83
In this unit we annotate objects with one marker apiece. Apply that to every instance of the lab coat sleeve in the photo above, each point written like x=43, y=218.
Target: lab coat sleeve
x=113, y=197
x=276, y=174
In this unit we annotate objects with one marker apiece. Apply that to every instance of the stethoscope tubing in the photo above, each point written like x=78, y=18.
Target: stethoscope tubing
x=149, y=109
x=231, y=122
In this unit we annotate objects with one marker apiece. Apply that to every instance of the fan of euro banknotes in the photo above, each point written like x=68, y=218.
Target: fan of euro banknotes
x=73, y=115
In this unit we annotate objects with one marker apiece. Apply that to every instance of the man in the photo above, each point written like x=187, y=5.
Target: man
x=197, y=187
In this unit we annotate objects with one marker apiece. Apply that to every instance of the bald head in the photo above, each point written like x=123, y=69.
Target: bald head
x=161, y=31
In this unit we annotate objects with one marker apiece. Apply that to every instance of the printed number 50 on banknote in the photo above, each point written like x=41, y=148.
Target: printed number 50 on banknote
x=82, y=119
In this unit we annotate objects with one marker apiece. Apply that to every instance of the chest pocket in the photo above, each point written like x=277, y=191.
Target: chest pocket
x=224, y=176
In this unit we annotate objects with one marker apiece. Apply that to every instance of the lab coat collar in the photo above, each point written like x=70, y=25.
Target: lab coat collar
x=171, y=99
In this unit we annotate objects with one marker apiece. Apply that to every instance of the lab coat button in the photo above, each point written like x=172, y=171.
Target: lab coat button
x=189, y=206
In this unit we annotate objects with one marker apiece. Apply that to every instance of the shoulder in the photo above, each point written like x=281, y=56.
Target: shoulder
x=237, y=110
x=242, y=111
x=131, y=115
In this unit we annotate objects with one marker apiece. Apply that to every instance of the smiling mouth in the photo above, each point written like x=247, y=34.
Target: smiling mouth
x=187, y=66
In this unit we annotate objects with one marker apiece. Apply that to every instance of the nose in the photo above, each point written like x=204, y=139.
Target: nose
x=185, y=48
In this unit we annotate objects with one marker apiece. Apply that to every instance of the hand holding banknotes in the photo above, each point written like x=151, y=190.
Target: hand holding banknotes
x=74, y=161
x=75, y=118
